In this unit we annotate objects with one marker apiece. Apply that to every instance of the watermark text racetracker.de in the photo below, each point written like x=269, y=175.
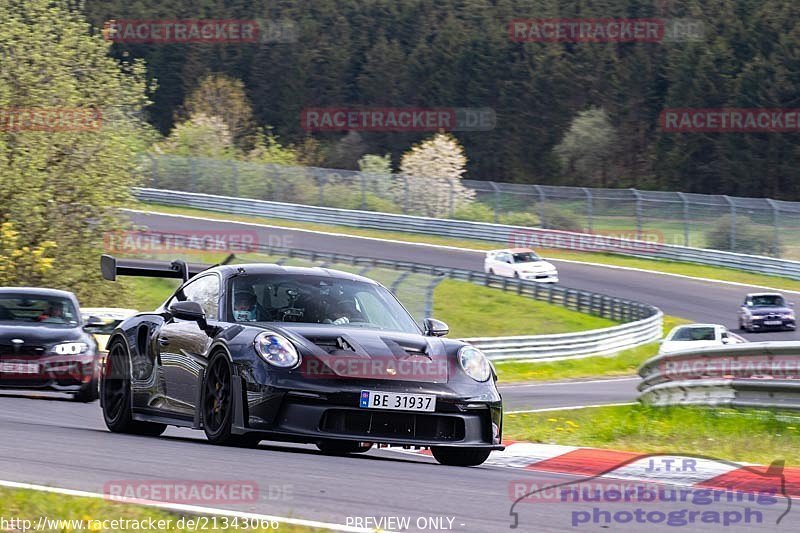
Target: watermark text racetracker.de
x=227, y=241
x=397, y=119
x=50, y=119
x=604, y=30
x=730, y=120
x=193, y=492
x=731, y=367
x=196, y=31
x=641, y=242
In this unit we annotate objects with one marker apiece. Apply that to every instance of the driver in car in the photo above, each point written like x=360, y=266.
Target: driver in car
x=344, y=312
x=53, y=313
x=245, y=306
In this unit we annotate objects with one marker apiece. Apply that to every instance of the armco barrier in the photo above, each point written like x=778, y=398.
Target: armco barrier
x=642, y=323
x=759, y=374
x=498, y=233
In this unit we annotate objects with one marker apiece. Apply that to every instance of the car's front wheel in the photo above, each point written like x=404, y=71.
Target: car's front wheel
x=460, y=456
x=88, y=393
x=115, y=391
x=217, y=407
x=343, y=447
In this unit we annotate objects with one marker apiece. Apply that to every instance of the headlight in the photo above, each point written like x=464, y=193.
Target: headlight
x=70, y=348
x=474, y=363
x=277, y=350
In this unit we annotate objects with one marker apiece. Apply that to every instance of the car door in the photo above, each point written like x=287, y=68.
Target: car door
x=183, y=345
x=504, y=266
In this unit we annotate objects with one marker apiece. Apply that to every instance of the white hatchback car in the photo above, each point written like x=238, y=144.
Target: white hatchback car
x=522, y=263
x=692, y=336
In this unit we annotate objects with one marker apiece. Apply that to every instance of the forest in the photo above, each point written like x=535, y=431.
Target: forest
x=566, y=113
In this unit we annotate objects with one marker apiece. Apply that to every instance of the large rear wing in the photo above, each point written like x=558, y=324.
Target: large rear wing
x=111, y=267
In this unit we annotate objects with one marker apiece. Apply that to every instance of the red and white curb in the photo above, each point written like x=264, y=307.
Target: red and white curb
x=673, y=469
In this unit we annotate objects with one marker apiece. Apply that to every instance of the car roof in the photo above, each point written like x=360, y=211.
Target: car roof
x=511, y=250
x=37, y=291
x=271, y=268
x=699, y=326
x=764, y=294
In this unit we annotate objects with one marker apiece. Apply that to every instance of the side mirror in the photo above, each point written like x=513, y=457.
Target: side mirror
x=435, y=328
x=189, y=311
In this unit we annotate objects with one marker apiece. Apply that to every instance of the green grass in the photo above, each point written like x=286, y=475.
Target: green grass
x=145, y=294
x=722, y=433
x=475, y=311
x=623, y=363
x=31, y=505
x=670, y=267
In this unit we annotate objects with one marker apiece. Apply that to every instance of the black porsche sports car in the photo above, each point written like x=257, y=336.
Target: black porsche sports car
x=44, y=345
x=267, y=352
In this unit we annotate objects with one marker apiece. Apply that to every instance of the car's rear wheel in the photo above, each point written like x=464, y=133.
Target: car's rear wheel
x=217, y=407
x=460, y=456
x=115, y=390
x=343, y=447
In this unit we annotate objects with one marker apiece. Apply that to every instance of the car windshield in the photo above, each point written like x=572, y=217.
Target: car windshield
x=768, y=300
x=694, y=334
x=308, y=299
x=37, y=309
x=525, y=257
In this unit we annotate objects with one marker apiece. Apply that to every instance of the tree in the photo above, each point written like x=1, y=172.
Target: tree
x=61, y=190
x=586, y=149
x=220, y=96
x=200, y=136
x=432, y=172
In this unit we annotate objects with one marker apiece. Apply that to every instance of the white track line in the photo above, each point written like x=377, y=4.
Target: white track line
x=193, y=509
x=456, y=248
x=567, y=408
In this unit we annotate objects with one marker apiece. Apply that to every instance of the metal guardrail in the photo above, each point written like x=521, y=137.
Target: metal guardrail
x=497, y=233
x=572, y=345
x=642, y=323
x=761, y=375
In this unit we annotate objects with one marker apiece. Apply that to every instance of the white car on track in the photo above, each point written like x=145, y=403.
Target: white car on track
x=522, y=263
x=690, y=336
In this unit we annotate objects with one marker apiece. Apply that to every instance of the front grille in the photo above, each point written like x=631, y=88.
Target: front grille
x=22, y=351
x=410, y=426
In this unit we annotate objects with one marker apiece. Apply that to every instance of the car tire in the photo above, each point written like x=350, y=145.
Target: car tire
x=342, y=447
x=516, y=275
x=216, y=409
x=88, y=393
x=460, y=456
x=115, y=391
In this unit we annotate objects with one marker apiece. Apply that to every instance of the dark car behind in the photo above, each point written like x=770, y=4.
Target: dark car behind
x=43, y=344
x=766, y=311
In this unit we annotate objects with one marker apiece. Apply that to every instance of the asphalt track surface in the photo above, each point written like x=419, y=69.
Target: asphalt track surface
x=48, y=440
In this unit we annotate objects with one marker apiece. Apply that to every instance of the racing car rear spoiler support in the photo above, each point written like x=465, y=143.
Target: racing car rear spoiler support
x=111, y=267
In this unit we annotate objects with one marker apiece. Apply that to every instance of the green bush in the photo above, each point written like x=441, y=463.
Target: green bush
x=475, y=212
x=554, y=217
x=751, y=238
x=520, y=218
